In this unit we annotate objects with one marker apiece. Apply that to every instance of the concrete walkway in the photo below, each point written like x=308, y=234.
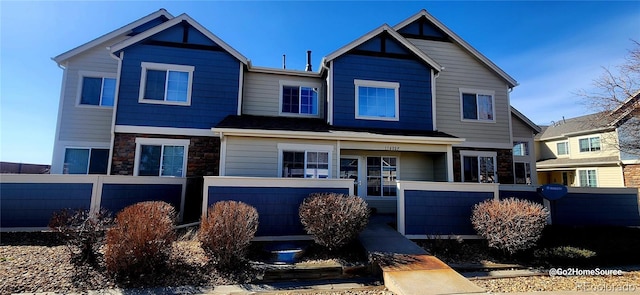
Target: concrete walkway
x=408, y=269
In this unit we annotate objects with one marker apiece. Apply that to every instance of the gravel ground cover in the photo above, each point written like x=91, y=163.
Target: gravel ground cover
x=629, y=282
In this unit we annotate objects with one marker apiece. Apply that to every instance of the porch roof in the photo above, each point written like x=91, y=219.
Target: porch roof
x=552, y=164
x=319, y=128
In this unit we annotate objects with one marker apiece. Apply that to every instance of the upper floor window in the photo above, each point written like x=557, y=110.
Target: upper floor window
x=520, y=148
x=299, y=100
x=161, y=157
x=562, y=148
x=377, y=100
x=479, y=167
x=97, y=90
x=166, y=84
x=86, y=161
x=477, y=105
x=590, y=144
x=305, y=161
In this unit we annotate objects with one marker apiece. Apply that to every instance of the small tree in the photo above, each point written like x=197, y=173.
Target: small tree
x=83, y=233
x=141, y=239
x=226, y=232
x=510, y=225
x=333, y=219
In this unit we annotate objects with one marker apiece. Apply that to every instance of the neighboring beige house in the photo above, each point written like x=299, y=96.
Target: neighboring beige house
x=584, y=151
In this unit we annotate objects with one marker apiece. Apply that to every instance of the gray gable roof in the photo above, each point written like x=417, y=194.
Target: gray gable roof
x=575, y=126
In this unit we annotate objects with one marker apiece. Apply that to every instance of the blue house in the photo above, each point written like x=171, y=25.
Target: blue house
x=163, y=96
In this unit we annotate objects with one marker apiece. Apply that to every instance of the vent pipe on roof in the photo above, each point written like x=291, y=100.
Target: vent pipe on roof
x=308, y=68
x=284, y=61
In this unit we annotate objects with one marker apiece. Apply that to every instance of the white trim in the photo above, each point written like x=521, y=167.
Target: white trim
x=288, y=72
x=115, y=110
x=459, y=41
x=57, y=158
x=485, y=145
x=84, y=147
x=164, y=130
x=378, y=84
x=450, y=177
x=433, y=100
x=594, y=169
x=524, y=118
x=364, y=163
x=92, y=74
x=568, y=154
x=329, y=149
x=330, y=94
x=291, y=83
x=240, y=89
x=121, y=31
x=140, y=141
x=385, y=28
x=465, y=153
x=167, y=68
x=589, y=137
x=400, y=210
x=223, y=156
x=478, y=92
x=173, y=22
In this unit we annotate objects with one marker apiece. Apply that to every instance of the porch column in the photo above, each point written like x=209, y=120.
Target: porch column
x=449, y=163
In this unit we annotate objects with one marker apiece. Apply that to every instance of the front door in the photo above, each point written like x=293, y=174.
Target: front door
x=350, y=169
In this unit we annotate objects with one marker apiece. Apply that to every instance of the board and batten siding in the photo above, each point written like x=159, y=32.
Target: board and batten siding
x=258, y=157
x=86, y=123
x=261, y=93
x=461, y=70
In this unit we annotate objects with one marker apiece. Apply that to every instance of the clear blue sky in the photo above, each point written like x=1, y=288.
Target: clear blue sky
x=551, y=48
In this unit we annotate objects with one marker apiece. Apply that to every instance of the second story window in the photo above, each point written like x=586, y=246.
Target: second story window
x=520, y=148
x=477, y=105
x=562, y=148
x=299, y=100
x=166, y=84
x=377, y=100
x=591, y=144
x=97, y=91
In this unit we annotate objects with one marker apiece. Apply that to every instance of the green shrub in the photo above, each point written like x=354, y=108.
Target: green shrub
x=141, y=239
x=510, y=225
x=83, y=233
x=226, y=232
x=563, y=255
x=333, y=219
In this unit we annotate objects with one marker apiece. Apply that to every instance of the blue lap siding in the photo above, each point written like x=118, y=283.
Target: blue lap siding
x=32, y=204
x=116, y=197
x=277, y=207
x=440, y=212
x=414, y=94
x=215, y=86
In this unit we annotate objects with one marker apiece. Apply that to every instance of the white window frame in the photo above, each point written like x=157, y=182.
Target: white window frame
x=164, y=67
x=88, y=160
x=299, y=84
x=291, y=147
x=566, y=142
x=90, y=74
x=493, y=155
x=140, y=141
x=525, y=166
x=525, y=145
x=365, y=186
x=477, y=92
x=379, y=84
x=588, y=138
x=587, y=172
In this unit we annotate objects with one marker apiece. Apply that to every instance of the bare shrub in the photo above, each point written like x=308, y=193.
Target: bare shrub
x=510, y=225
x=227, y=231
x=141, y=239
x=333, y=219
x=83, y=233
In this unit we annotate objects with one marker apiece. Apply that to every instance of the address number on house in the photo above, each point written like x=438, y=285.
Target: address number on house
x=391, y=148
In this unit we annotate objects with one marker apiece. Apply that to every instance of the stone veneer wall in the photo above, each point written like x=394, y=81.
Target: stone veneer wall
x=203, y=158
x=504, y=158
x=631, y=175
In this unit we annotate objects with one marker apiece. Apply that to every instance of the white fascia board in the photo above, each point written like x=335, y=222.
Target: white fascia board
x=512, y=82
x=337, y=135
x=486, y=145
x=163, y=130
x=104, y=38
x=266, y=70
x=173, y=22
x=395, y=35
x=526, y=120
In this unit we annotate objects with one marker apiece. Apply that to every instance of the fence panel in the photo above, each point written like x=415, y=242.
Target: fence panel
x=597, y=206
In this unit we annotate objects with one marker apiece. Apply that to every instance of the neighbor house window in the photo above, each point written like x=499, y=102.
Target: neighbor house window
x=477, y=105
x=299, y=100
x=305, y=161
x=521, y=148
x=588, y=178
x=590, y=144
x=166, y=84
x=479, y=167
x=97, y=90
x=86, y=161
x=522, y=173
x=377, y=100
x=562, y=148
x=382, y=173
x=161, y=157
